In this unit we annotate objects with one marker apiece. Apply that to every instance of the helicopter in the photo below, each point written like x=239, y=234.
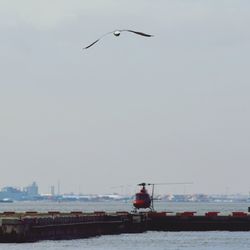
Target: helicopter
x=143, y=200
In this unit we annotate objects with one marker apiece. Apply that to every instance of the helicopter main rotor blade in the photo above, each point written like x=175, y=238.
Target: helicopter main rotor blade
x=165, y=183
x=142, y=184
x=171, y=183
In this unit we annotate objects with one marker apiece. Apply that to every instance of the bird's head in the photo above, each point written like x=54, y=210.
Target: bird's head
x=117, y=33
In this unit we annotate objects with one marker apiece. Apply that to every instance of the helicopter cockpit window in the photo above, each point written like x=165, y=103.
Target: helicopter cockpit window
x=140, y=197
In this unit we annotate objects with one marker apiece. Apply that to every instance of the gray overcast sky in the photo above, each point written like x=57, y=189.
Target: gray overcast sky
x=171, y=108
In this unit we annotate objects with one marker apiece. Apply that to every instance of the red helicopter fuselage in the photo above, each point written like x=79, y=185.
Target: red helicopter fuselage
x=142, y=199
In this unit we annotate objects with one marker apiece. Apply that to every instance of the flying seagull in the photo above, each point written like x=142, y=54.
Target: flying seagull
x=117, y=33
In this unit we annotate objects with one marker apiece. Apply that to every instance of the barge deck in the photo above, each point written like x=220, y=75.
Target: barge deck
x=34, y=226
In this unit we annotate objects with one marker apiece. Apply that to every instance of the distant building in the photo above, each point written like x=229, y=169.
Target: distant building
x=11, y=193
x=28, y=193
x=32, y=190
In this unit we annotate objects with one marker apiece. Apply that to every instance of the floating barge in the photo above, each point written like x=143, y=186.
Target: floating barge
x=189, y=221
x=34, y=226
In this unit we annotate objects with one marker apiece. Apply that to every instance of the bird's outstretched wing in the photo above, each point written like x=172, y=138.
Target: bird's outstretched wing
x=97, y=40
x=133, y=31
x=91, y=44
x=138, y=33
